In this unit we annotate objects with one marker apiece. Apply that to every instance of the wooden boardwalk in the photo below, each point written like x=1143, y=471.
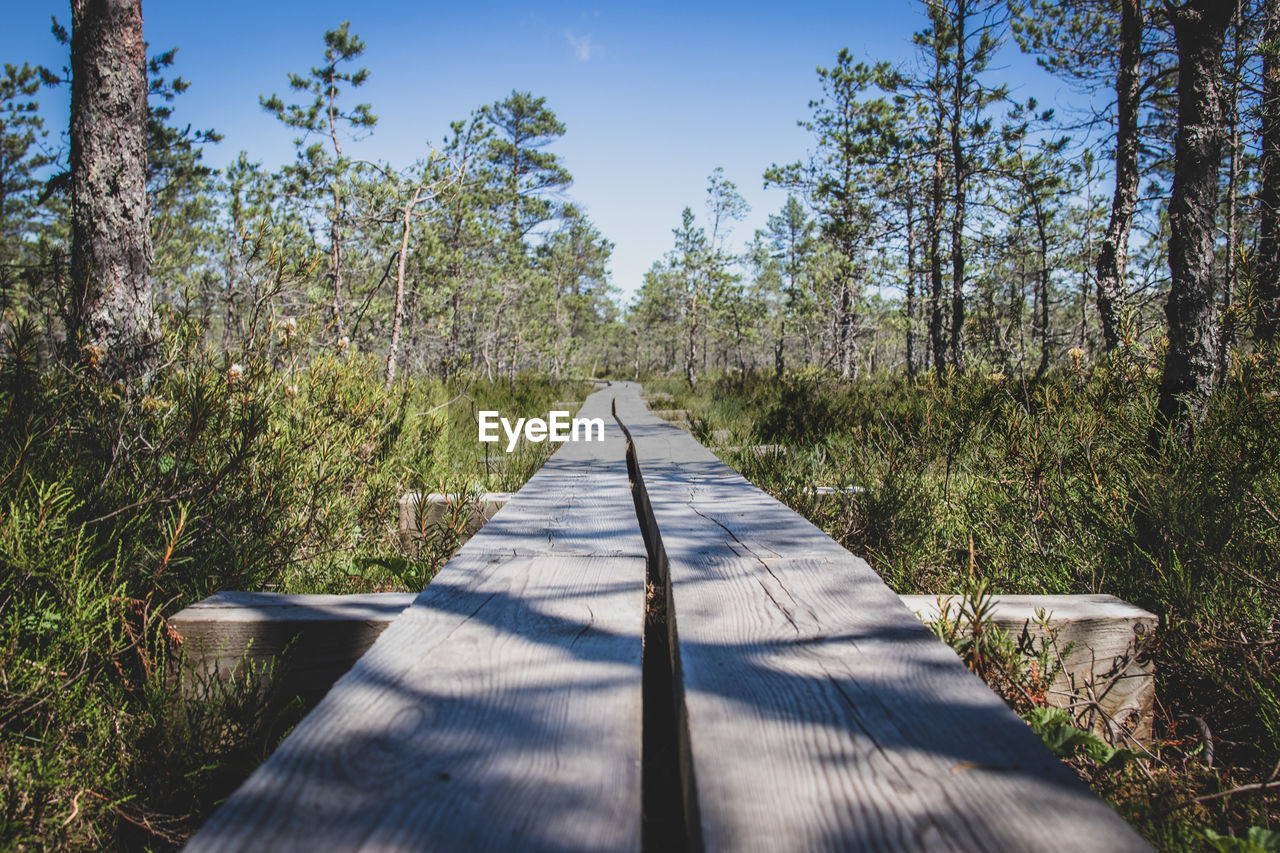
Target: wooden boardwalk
x=765, y=692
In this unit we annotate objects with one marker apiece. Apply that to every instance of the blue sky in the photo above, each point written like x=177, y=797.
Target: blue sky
x=654, y=95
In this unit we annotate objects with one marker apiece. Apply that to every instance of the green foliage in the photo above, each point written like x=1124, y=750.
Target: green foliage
x=1056, y=728
x=1257, y=840
x=256, y=469
x=1021, y=672
x=523, y=126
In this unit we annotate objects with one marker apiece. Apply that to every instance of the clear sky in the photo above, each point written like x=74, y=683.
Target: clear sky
x=654, y=95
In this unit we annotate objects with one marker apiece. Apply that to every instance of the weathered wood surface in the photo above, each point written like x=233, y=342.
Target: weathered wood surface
x=324, y=635
x=758, y=449
x=502, y=710
x=1101, y=640
x=827, y=491
x=414, y=521
x=820, y=713
x=1103, y=644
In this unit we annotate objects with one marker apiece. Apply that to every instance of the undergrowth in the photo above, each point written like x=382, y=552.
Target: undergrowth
x=263, y=469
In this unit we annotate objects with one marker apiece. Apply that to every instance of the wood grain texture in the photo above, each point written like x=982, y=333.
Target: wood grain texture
x=304, y=642
x=1103, y=643
x=414, y=520
x=821, y=713
x=500, y=711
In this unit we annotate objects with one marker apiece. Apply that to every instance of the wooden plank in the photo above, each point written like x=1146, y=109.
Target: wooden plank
x=820, y=713
x=324, y=635
x=758, y=449
x=1103, y=644
x=501, y=710
x=412, y=523
x=1100, y=640
x=827, y=491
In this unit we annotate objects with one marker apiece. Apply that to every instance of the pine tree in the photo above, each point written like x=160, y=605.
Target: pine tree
x=790, y=235
x=1267, y=324
x=851, y=135
x=21, y=160
x=527, y=180
x=1101, y=45
x=326, y=117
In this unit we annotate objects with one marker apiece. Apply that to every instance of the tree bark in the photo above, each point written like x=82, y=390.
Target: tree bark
x=959, y=177
x=910, y=307
x=335, y=263
x=1041, y=320
x=846, y=330
x=937, y=345
x=110, y=319
x=1200, y=28
x=1114, y=252
x=398, y=316
x=1231, y=272
x=1267, y=326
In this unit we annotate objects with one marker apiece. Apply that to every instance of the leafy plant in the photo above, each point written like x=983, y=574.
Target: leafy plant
x=1058, y=731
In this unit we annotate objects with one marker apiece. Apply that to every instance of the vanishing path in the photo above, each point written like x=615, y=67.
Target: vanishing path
x=686, y=664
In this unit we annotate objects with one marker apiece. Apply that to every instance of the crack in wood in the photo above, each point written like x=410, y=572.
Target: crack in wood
x=668, y=809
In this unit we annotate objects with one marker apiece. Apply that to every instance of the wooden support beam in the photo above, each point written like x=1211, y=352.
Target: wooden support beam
x=1101, y=640
x=1103, y=643
x=817, y=711
x=827, y=491
x=324, y=636
x=758, y=449
x=438, y=505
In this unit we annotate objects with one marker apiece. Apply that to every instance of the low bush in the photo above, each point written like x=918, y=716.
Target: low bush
x=259, y=470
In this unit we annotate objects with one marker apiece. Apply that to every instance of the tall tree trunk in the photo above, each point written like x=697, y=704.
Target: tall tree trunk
x=846, y=330
x=911, y=289
x=1232, y=267
x=1042, y=289
x=691, y=346
x=453, y=344
x=1268, y=285
x=110, y=319
x=335, y=262
x=1114, y=252
x=779, y=365
x=937, y=344
x=230, y=320
x=959, y=180
x=398, y=315
x=1200, y=28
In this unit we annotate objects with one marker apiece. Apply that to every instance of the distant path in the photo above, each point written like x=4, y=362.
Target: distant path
x=765, y=692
